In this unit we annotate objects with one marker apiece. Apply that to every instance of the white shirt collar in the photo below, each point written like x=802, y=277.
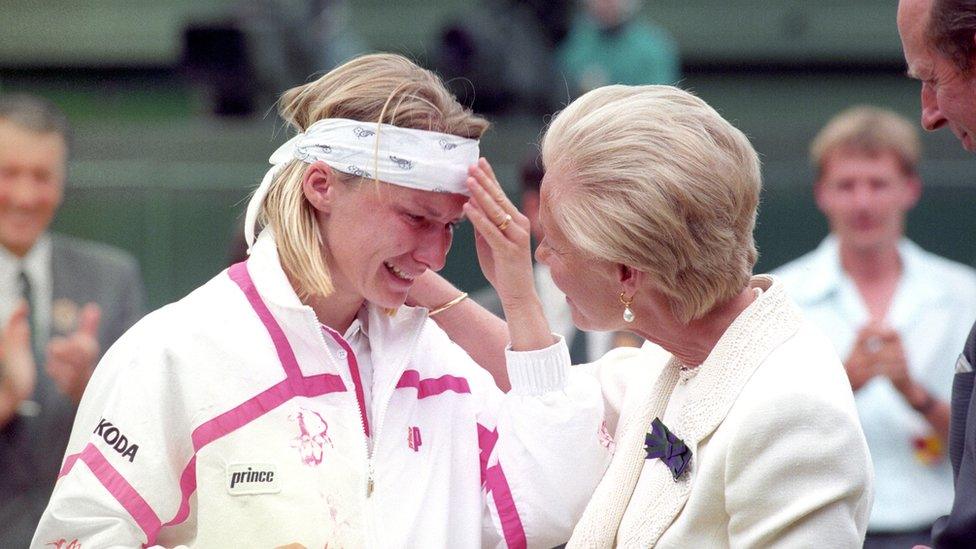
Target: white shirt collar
x=827, y=276
x=37, y=265
x=359, y=324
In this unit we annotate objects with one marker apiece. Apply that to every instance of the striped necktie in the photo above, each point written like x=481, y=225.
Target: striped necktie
x=27, y=294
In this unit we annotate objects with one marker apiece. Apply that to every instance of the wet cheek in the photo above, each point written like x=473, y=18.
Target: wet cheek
x=444, y=238
x=561, y=279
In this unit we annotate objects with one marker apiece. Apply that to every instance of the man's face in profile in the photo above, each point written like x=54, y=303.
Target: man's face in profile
x=948, y=93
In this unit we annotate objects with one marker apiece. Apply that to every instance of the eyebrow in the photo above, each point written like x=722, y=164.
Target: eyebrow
x=433, y=213
x=915, y=72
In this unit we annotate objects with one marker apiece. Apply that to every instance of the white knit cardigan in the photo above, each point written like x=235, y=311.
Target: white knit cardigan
x=771, y=385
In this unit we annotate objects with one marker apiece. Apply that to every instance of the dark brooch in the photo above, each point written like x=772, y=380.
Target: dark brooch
x=662, y=444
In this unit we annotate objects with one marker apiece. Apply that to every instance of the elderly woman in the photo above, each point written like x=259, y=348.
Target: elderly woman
x=745, y=433
x=292, y=400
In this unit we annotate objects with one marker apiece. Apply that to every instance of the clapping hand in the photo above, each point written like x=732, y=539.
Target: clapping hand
x=18, y=373
x=71, y=359
x=877, y=351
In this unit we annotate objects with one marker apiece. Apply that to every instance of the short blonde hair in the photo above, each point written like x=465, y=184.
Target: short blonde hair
x=382, y=88
x=870, y=131
x=658, y=181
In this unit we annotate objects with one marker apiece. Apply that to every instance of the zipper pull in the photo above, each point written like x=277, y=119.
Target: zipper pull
x=369, y=481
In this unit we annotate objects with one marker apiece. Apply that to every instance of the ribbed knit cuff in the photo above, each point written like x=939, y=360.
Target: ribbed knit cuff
x=538, y=372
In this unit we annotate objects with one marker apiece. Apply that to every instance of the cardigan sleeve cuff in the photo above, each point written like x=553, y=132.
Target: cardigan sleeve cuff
x=540, y=371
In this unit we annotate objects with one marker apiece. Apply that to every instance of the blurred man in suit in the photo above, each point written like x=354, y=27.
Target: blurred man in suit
x=75, y=298
x=939, y=41
x=874, y=293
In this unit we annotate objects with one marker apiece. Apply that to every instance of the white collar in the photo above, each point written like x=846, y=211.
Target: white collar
x=37, y=262
x=827, y=275
x=273, y=285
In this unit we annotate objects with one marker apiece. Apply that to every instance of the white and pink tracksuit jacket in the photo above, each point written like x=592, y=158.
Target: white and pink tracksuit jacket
x=232, y=418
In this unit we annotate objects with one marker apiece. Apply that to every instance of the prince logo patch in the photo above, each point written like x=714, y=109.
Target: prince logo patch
x=252, y=478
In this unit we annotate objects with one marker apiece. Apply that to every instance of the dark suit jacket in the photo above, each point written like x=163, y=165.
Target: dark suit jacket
x=958, y=529
x=31, y=448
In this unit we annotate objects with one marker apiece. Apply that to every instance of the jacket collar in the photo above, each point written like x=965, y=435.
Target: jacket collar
x=825, y=273
x=391, y=338
x=762, y=327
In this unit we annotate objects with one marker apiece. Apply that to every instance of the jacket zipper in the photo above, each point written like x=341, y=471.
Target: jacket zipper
x=378, y=420
x=380, y=417
x=361, y=405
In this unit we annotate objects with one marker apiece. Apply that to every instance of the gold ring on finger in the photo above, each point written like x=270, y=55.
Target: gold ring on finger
x=504, y=224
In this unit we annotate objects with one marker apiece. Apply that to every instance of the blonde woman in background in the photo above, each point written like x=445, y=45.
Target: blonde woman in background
x=293, y=400
x=735, y=426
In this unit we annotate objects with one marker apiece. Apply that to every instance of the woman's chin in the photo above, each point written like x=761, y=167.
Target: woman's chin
x=387, y=298
x=579, y=320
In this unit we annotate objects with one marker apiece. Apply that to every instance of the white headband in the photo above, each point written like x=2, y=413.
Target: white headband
x=418, y=159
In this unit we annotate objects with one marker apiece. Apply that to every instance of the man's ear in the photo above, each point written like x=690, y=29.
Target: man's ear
x=319, y=186
x=818, y=195
x=914, y=191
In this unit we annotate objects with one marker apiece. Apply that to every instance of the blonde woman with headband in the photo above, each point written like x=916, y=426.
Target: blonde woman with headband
x=735, y=425
x=295, y=400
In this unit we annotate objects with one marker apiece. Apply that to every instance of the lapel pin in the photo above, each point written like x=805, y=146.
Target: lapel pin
x=661, y=444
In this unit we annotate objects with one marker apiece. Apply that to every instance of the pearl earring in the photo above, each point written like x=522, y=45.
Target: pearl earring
x=628, y=313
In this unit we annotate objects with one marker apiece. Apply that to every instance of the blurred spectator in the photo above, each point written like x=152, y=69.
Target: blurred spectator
x=56, y=276
x=267, y=46
x=583, y=346
x=608, y=44
x=500, y=55
x=896, y=313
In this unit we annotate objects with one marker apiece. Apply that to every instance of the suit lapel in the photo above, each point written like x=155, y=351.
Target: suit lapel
x=602, y=516
x=760, y=329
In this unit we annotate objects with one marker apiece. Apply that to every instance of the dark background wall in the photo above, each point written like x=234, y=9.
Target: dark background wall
x=154, y=172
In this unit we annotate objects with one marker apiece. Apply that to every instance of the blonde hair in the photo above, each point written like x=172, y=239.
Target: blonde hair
x=870, y=131
x=381, y=88
x=658, y=181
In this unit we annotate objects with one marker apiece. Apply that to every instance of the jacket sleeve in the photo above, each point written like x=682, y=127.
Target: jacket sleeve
x=543, y=447
x=798, y=474
x=958, y=528
x=129, y=447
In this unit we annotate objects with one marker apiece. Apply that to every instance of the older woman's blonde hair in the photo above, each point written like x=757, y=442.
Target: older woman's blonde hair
x=659, y=181
x=869, y=131
x=383, y=88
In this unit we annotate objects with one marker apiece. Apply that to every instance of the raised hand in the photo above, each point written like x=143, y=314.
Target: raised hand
x=18, y=373
x=502, y=236
x=504, y=252
x=71, y=359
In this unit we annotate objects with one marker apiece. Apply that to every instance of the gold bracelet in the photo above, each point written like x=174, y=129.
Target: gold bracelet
x=449, y=304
